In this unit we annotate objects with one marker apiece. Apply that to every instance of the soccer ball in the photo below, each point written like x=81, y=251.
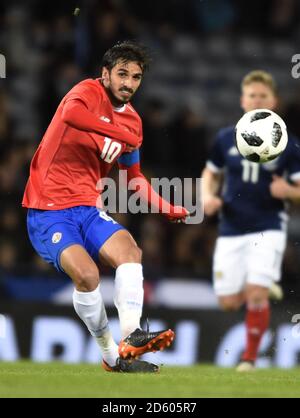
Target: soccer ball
x=261, y=135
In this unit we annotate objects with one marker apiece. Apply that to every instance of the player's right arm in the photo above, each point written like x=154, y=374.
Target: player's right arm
x=211, y=184
x=289, y=188
x=212, y=178
x=76, y=112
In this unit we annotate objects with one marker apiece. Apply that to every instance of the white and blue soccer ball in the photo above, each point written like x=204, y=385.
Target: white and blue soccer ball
x=261, y=135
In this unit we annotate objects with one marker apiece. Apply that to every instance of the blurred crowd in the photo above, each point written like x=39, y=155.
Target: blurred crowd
x=48, y=49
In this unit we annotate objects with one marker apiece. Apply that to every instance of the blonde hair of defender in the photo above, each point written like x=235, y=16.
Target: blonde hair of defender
x=260, y=76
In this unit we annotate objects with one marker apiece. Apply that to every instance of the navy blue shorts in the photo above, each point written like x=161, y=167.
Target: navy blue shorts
x=52, y=231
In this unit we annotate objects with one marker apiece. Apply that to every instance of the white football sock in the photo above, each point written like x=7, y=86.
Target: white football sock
x=108, y=347
x=129, y=294
x=90, y=308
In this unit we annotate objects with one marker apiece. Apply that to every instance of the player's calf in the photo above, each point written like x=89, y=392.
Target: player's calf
x=257, y=319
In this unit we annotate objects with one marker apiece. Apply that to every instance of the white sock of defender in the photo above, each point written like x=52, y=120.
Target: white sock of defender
x=129, y=295
x=90, y=308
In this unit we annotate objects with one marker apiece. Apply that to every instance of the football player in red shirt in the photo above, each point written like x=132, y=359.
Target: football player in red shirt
x=94, y=127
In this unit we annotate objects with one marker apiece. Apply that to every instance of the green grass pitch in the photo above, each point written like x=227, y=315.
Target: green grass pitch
x=26, y=379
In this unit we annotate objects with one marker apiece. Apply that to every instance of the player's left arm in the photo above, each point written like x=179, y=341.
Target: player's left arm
x=138, y=182
x=282, y=189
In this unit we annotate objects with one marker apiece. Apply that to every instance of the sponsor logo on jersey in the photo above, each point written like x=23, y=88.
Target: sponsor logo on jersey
x=56, y=237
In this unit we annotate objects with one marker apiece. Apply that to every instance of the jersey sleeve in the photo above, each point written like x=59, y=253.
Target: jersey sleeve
x=294, y=161
x=216, y=159
x=87, y=93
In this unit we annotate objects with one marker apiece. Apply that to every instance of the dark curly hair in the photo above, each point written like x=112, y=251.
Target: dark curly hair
x=127, y=51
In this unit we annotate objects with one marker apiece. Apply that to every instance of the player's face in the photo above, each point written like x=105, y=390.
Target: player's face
x=122, y=81
x=257, y=96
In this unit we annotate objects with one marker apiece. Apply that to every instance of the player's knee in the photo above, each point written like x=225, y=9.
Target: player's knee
x=257, y=299
x=86, y=278
x=133, y=254
x=257, y=295
x=229, y=304
x=138, y=253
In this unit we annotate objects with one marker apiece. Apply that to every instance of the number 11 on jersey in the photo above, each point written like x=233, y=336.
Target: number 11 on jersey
x=250, y=172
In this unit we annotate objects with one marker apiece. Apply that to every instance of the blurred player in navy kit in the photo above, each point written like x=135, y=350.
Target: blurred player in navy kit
x=253, y=220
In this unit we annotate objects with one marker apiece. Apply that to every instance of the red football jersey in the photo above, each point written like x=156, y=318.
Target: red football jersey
x=69, y=161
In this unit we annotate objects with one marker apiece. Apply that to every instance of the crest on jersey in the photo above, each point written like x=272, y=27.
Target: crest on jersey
x=56, y=237
x=218, y=275
x=233, y=152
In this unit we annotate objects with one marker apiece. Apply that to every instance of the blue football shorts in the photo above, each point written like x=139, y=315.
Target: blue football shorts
x=52, y=231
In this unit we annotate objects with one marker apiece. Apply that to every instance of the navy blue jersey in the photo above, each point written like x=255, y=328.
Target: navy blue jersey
x=248, y=204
